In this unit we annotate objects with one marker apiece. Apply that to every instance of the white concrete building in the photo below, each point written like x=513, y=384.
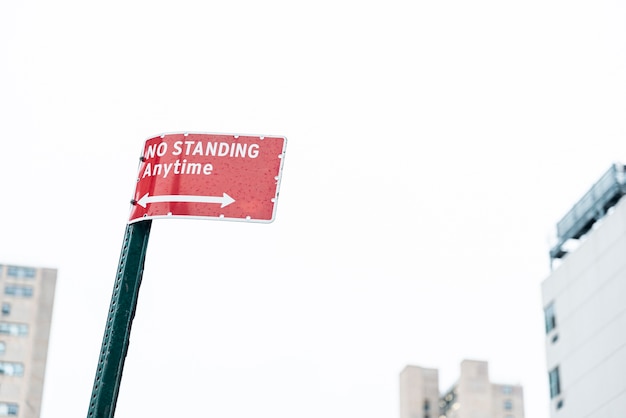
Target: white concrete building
x=472, y=396
x=26, y=301
x=584, y=301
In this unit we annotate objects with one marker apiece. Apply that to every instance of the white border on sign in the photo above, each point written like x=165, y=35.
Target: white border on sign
x=220, y=218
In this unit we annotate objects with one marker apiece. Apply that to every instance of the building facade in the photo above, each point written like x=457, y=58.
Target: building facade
x=472, y=396
x=584, y=300
x=26, y=304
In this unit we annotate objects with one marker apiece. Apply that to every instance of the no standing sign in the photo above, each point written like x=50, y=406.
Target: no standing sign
x=182, y=175
x=216, y=176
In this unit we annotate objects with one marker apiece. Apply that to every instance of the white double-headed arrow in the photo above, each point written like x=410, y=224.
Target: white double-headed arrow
x=224, y=200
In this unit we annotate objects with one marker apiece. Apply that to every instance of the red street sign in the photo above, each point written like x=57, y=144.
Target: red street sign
x=216, y=176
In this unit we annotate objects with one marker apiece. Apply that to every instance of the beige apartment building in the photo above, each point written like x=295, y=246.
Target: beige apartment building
x=26, y=301
x=472, y=396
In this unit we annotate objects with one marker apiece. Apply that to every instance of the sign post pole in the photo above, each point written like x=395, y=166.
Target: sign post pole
x=120, y=318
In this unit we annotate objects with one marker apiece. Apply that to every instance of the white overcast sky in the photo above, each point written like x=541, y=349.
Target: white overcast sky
x=432, y=147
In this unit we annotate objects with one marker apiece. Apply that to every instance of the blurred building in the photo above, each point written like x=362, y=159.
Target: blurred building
x=584, y=300
x=26, y=312
x=472, y=396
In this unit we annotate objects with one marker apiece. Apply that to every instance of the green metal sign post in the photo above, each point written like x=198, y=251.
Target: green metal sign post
x=120, y=319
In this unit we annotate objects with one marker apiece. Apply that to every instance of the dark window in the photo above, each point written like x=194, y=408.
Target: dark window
x=555, y=382
x=6, y=308
x=9, y=368
x=21, y=291
x=550, y=317
x=508, y=404
x=9, y=328
x=21, y=272
x=8, y=409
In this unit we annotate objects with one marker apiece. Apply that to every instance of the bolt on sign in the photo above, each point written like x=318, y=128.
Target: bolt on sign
x=215, y=176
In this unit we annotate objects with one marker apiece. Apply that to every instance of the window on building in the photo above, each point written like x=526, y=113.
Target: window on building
x=3, y=347
x=6, y=308
x=9, y=409
x=508, y=404
x=507, y=390
x=555, y=382
x=10, y=328
x=426, y=408
x=8, y=368
x=20, y=291
x=21, y=272
x=550, y=317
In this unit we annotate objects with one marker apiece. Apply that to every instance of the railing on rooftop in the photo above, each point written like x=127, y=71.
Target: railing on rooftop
x=604, y=194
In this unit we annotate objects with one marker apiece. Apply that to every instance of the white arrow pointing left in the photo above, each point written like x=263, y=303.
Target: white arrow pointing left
x=224, y=200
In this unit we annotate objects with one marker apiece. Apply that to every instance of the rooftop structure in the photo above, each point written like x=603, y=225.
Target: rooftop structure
x=604, y=194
